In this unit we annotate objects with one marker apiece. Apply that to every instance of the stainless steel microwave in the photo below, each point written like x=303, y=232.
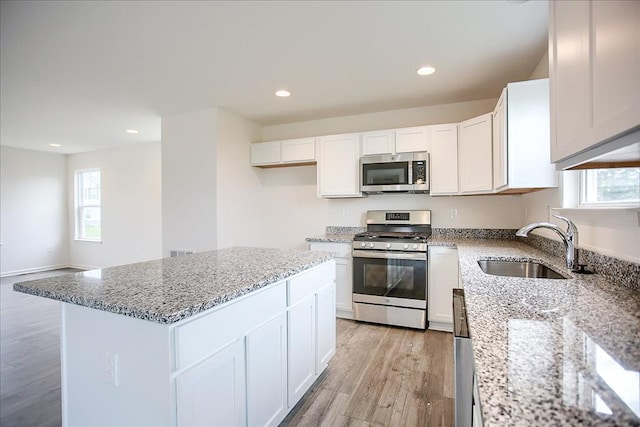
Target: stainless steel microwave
x=404, y=172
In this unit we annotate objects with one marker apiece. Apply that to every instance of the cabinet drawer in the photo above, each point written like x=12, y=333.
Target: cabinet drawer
x=307, y=283
x=205, y=335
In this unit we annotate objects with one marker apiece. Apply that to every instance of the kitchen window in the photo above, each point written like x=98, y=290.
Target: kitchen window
x=88, y=212
x=609, y=187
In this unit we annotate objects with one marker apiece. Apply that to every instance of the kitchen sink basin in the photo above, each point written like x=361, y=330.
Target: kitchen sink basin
x=528, y=269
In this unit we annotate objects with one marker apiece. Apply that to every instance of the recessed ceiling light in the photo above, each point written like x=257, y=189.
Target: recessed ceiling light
x=132, y=131
x=55, y=145
x=283, y=93
x=426, y=70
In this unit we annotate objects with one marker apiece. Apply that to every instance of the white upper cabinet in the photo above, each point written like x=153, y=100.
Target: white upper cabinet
x=594, y=68
x=284, y=153
x=265, y=153
x=378, y=142
x=521, y=161
x=339, y=166
x=475, y=159
x=444, y=159
x=405, y=140
x=414, y=139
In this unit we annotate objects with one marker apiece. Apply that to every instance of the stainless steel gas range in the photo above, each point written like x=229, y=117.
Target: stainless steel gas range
x=390, y=268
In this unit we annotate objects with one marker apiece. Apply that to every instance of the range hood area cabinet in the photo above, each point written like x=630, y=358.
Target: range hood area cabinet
x=291, y=152
x=405, y=140
x=521, y=159
x=594, y=70
x=339, y=166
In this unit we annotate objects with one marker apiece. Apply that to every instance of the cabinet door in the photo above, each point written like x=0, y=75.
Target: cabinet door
x=344, y=288
x=443, y=277
x=500, y=143
x=265, y=153
x=413, y=139
x=339, y=166
x=213, y=392
x=594, y=70
x=325, y=326
x=475, y=160
x=378, y=142
x=266, y=353
x=301, y=348
x=444, y=159
x=298, y=150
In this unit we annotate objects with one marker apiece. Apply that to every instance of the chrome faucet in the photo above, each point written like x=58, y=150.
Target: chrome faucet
x=570, y=238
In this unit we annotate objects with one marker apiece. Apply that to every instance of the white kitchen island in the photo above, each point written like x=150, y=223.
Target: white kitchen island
x=231, y=337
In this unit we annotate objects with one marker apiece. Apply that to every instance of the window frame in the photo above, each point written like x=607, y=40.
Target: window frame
x=583, y=189
x=80, y=205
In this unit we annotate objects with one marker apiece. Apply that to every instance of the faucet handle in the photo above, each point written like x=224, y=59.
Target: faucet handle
x=571, y=227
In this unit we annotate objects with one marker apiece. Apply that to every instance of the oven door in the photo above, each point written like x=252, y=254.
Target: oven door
x=390, y=274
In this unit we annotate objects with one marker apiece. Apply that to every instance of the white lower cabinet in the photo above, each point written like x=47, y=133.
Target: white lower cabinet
x=312, y=328
x=325, y=326
x=213, y=392
x=266, y=350
x=344, y=275
x=443, y=277
x=302, y=348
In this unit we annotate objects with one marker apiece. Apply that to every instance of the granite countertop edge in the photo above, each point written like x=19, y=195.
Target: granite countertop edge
x=36, y=288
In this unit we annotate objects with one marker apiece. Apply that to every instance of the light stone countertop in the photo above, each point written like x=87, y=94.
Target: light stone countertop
x=171, y=289
x=550, y=351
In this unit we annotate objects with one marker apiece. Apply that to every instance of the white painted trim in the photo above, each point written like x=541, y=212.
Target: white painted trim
x=34, y=270
x=83, y=267
x=440, y=326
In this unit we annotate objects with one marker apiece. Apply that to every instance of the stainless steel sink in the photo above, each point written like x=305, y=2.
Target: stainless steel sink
x=528, y=269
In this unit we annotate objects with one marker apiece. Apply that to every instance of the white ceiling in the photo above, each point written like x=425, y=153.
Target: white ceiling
x=79, y=73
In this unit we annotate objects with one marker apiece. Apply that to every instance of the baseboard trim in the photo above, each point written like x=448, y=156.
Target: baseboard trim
x=33, y=270
x=83, y=267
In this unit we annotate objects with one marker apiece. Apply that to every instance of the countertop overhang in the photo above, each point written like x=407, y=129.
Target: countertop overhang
x=171, y=289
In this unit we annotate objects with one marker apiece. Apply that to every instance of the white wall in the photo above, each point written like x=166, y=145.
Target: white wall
x=239, y=196
x=131, y=206
x=33, y=211
x=189, y=219
x=436, y=114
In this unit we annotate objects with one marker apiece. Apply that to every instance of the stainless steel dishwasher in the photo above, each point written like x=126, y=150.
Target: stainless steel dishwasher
x=467, y=406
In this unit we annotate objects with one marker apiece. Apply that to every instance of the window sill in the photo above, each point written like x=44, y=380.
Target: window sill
x=88, y=240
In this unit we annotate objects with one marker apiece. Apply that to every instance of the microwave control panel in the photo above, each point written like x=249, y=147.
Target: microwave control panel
x=419, y=172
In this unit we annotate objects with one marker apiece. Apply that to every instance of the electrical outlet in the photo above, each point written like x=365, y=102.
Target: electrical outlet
x=111, y=368
x=454, y=213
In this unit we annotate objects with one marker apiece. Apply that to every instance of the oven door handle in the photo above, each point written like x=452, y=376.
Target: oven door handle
x=419, y=256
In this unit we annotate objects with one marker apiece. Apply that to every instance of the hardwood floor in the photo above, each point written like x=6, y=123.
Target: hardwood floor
x=380, y=376
x=29, y=355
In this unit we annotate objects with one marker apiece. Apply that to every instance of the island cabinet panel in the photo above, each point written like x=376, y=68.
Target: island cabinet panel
x=325, y=326
x=203, y=336
x=311, y=319
x=266, y=350
x=243, y=362
x=302, y=348
x=134, y=390
x=213, y=392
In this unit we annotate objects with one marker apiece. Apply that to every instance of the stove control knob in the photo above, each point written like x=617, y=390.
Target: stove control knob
x=371, y=245
x=415, y=246
x=388, y=245
x=363, y=244
x=405, y=246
